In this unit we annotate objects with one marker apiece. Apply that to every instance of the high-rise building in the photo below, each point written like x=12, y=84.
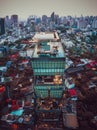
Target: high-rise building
x=2, y=26
x=14, y=19
x=53, y=17
x=44, y=19
x=94, y=23
x=81, y=23
x=48, y=63
x=56, y=19
x=7, y=22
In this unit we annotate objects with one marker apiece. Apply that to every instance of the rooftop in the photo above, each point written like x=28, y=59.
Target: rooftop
x=49, y=49
x=53, y=36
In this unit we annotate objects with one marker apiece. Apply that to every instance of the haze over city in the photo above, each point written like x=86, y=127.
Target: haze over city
x=24, y=8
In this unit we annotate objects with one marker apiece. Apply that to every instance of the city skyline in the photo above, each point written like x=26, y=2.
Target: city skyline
x=26, y=8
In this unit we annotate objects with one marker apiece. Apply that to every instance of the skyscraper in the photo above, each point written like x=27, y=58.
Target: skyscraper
x=2, y=26
x=53, y=17
x=7, y=22
x=48, y=64
x=44, y=19
x=14, y=20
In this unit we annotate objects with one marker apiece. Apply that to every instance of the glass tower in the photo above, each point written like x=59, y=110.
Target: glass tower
x=48, y=63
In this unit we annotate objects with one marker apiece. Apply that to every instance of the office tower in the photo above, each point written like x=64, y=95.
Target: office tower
x=7, y=22
x=44, y=19
x=2, y=26
x=14, y=20
x=53, y=17
x=94, y=23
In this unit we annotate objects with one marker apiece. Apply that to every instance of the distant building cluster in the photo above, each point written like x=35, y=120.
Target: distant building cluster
x=12, y=29
x=51, y=22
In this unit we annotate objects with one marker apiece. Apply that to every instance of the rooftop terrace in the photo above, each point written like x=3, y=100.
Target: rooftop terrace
x=49, y=49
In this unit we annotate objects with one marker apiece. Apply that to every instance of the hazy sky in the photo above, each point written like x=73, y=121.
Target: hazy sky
x=24, y=8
